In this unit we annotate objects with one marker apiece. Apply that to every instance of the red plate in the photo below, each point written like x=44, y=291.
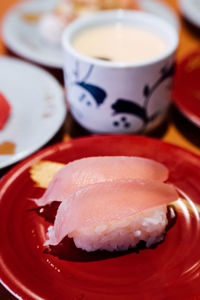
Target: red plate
x=186, y=91
x=169, y=271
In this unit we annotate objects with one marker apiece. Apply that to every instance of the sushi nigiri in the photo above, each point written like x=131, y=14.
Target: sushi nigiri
x=114, y=215
x=86, y=171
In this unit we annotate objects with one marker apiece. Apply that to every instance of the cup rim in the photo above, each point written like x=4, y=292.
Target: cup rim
x=118, y=14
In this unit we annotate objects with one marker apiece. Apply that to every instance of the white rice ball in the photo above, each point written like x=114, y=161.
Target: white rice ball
x=148, y=226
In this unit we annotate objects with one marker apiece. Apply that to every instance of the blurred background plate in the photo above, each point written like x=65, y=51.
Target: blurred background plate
x=190, y=9
x=22, y=36
x=186, y=92
x=37, y=109
x=160, y=9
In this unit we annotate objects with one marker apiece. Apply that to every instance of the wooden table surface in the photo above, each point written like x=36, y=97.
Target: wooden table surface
x=177, y=129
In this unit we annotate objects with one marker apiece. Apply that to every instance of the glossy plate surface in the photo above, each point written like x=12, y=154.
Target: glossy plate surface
x=24, y=38
x=37, y=109
x=186, y=93
x=169, y=271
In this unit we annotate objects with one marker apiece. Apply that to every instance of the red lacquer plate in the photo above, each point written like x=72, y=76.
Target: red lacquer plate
x=168, y=271
x=186, y=92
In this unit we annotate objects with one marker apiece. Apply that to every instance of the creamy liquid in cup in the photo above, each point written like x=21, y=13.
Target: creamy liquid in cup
x=120, y=43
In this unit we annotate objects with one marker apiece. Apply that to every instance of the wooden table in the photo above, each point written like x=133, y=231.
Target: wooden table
x=177, y=130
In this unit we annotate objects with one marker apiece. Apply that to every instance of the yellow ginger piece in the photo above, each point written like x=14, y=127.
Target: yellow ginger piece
x=42, y=172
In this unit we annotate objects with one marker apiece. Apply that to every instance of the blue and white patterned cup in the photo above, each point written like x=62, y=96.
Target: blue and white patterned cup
x=115, y=97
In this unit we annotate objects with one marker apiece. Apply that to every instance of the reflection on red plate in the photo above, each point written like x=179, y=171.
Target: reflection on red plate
x=169, y=271
x=186, y=92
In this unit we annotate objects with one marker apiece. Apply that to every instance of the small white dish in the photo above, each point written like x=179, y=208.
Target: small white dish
x=37, y=108
x=160, y=9
x=191, y=10
x=24, y=38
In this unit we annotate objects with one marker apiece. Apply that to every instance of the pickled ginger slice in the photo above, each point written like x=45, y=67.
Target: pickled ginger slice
x=96, y=205
x=86, y=171
x=43, y=171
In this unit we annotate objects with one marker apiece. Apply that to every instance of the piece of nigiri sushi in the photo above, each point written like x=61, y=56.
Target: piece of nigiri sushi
x=114, y=215
x=85, y=171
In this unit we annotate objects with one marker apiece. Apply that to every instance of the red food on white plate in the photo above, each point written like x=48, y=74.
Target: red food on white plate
x=5, y=109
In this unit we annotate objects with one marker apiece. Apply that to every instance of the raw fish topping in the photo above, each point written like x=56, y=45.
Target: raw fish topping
x=91, y=170
x=108, y=201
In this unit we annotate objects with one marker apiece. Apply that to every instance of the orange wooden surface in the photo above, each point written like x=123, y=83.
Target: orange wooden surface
x=4, y=6
x=188, y=43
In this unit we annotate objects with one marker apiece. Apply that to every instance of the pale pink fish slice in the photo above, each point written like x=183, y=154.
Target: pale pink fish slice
x=99, y=203
x=85, y=171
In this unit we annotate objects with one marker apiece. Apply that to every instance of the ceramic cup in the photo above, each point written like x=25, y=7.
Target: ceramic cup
x=115, y=97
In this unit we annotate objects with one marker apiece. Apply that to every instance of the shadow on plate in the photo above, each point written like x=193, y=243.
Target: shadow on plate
x=66, y=249
x=186, y=127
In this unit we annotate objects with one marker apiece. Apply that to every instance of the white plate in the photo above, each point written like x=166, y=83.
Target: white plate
x=191, y=10
x=37, y=108
x=24, y=38
x=160, y=9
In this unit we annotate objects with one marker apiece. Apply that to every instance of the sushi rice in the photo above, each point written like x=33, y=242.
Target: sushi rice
x=119, y=235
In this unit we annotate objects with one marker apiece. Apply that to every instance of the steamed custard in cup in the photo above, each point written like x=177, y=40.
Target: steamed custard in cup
x=120, y=43
x=118, y=69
